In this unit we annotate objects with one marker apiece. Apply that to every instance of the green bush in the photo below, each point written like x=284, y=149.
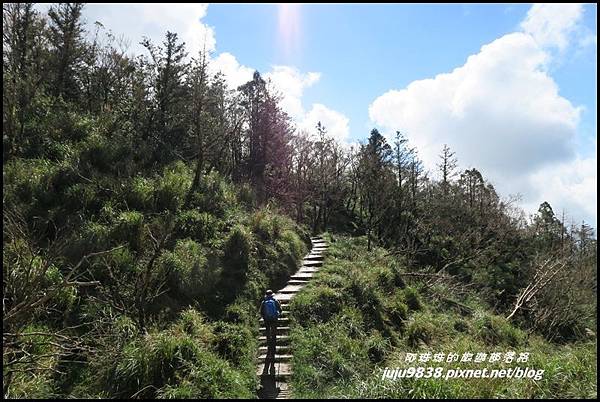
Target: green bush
x=172, y=364
x=39, y=347
x=92, y=237
x=172, y=187
x=236, y=262
x=190, y=278
x=421, y=329
x=378, y=347
x=413, y=300
x=397, y=310
x=140, y=193
x=214, y=195
x=495, y=330
x=129, y=229
x=246, y=195
x=80, y=197
x=104, y=155
x=200, y=226
x=385, y=279
x=235, y=343
x=368, y=299
x=317, y=304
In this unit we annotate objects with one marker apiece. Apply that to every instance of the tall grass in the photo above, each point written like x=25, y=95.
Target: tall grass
x=358, y=317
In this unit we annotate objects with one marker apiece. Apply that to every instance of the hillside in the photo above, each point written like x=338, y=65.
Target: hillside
x=364, y=312
x=148, y=206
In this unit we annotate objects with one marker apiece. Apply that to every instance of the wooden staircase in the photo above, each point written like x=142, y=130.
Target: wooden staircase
x=274, y=367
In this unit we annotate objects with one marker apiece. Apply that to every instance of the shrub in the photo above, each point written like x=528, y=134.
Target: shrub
x=104, y=155
x=139, y=194
x=129, y=228
x=266, y=225
x=377, y=346
x=236, y=262
x=24, y=178
x=241, y=312
x=317, y=304
x=92, y=237
x=413, y=299
x=214, y=195
x=385, y=279
x=421, y=329
x=200, y=226
x=461, y=325
x=368, y=300
x=235, y=343
x=169, y=364
x=82, y=196
x=495, y=330
x=397, y=310
x=190, y=278
x=172, y=187
x=246, y=195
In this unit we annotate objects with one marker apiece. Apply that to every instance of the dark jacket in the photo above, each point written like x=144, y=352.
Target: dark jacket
x=262, y=306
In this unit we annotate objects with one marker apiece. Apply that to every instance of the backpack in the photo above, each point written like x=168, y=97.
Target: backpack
x=271, y=312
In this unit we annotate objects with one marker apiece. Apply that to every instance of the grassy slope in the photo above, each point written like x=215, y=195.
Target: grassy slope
x=359, y=316
x=201, y=338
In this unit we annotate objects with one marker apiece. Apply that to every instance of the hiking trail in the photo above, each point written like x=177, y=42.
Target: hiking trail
x=275, y=372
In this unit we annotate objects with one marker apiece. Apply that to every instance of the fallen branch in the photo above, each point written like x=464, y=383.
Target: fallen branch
x=542, y=277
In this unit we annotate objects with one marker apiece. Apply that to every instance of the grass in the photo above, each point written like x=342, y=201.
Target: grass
x=358, y=317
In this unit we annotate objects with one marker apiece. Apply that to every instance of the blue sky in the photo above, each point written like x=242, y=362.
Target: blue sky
x=511, y=88
x=377, y=47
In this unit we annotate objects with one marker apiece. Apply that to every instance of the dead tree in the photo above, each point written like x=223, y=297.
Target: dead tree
x=544, y=274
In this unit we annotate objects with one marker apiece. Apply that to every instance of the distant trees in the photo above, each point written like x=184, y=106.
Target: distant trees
x=24, y=59
x=268, y=131
x=67, y=49
x=374, y=177
x=447, y=167
x=152, y=156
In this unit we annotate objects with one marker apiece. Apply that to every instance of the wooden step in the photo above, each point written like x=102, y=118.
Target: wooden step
x=281, y=340
x=307, y=269
x=292, y=288
x=307, y=275
x=281, y=349
x=285, y=297
x=277, y=358
x=281, y=370
x=312, y=257
x=280, y=330
x=318, y=245
x=282, y=321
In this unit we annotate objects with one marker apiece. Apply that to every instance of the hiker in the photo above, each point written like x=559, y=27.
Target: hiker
x=270, y=310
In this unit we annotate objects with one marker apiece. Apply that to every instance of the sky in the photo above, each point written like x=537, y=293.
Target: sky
x=511, y=89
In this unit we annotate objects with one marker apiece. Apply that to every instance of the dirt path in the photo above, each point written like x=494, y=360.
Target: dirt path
x=275, y=369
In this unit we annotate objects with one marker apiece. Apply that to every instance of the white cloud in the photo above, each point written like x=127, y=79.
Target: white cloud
x=551, y=24
x=571, y=186
x=502, y=113
x=235, y=73
x=500, y=110
x=291, y=83
x=134, y=21
x=335, y=122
